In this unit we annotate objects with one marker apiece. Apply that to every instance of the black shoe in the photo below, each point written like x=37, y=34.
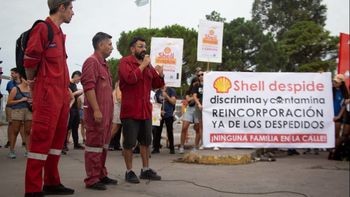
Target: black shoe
x=57, y=190
x=97, y=186
x=63, y=152
x=118, y=148
x=108, y=181
x=7, y=144
x=172, y=151
x=293, y=152
x=155, y=151
x=65, y=149
x=79, y=147
x=34, y=194
x=150, y=175
x=131, y=177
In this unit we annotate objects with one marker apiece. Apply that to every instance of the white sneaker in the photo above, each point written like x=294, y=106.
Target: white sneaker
x=181, y=150
x=216, y=148
x=11, y=155
x=201, y=147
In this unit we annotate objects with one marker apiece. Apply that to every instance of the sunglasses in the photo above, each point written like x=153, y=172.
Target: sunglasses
x=200, y=75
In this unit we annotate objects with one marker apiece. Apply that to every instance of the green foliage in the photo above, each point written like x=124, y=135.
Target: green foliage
x=277, y=16
x=282, y=36
x=113, y=67
x=215, y=16
x=298, y=28
x=247, y=48
x=309, y=47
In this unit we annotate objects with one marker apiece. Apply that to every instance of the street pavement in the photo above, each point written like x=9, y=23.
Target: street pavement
x=288, y=176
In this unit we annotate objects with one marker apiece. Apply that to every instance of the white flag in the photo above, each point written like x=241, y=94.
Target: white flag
x=141, y=2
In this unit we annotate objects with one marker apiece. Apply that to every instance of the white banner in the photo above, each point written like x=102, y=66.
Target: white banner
x=281, y=110
x=167, y=52
x=210, y=36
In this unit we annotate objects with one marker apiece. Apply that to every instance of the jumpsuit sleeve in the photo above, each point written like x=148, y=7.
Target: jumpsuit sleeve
x=89, y=74
x=129, y=74
x=38, y=38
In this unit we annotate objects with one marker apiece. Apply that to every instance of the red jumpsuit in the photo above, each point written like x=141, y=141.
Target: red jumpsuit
x=96, y=76
x=50, y=106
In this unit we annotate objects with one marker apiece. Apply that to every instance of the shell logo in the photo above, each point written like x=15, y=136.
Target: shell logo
x=222, y=85
x=210, y=38
x=167, y=50
x=211, y=32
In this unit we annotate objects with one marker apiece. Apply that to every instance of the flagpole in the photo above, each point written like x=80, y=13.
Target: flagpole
x=150, y=14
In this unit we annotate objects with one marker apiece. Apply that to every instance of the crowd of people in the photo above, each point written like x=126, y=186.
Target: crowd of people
x=38, y=107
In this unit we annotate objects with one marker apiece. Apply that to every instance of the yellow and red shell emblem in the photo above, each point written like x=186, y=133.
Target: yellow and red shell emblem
x=222, y=85
x=167, y=50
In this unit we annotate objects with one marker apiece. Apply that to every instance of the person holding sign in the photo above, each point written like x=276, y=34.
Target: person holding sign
x=198, y=98
x=340, y=93
x=189, y=116
x=167, y=97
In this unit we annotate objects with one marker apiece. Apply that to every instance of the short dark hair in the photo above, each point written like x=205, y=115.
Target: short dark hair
x=14, y=70
x=99, y=37
x=55, y=10
x=134, y=40
x=77, y=72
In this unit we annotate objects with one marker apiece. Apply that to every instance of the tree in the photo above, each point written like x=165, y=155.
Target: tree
x=215, y=16
x=247, y=48
x=113, y=68
x=309, y=48
x=278, y=16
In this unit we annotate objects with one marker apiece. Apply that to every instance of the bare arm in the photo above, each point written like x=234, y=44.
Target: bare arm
x=31, y=73
x=77, y=93
x=172, y=99
x=11, y=99
x=199, y=104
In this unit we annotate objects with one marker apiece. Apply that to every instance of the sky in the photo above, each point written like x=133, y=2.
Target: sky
x=116, y=16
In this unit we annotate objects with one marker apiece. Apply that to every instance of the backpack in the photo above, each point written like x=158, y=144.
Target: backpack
x=21, y=45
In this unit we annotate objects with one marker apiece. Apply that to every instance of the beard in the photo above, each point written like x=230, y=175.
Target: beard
x=140, y=55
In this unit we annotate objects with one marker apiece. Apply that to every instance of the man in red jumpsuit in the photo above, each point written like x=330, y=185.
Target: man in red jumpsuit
x=98, y=112
x=137, y=78
x=48, y=78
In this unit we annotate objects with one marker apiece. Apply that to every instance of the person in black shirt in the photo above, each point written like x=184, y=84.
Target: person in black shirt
x=197, y=96
x=74, y=118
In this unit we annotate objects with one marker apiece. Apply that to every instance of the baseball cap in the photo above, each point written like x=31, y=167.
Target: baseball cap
x=53, y=4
